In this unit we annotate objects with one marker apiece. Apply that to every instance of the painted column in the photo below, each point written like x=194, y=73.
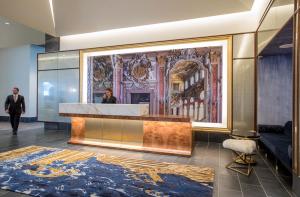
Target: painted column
x=90, y=86
x=220, y=73
x=185, y=110
x=201, y=111
x=214, y=87
x=191, y=108
x=180, y=107
x=117, y=76
x=196, y=111
x=161, y=60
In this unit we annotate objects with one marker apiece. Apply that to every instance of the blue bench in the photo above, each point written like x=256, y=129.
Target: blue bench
x=278, y=140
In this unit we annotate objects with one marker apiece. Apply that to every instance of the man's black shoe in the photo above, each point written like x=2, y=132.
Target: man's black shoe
x=15, y=133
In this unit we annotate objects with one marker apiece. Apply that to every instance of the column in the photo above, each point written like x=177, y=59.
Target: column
x=191, y=108
x=118, y=71
x=214, y=87
x=161, y=60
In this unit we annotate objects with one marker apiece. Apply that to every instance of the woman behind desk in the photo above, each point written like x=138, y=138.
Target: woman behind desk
x=108, y=96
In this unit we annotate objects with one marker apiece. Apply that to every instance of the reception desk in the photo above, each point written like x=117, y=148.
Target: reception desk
x=128, y=126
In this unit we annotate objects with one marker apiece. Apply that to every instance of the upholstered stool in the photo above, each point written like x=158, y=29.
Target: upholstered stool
x=243, y=149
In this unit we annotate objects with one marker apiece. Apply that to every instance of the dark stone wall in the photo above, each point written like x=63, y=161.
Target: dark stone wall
x=52, y=44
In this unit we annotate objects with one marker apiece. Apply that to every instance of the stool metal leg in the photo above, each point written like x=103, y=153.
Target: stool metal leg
x=242, y=157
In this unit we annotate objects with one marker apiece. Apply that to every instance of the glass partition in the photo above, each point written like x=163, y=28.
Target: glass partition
x=277, y=16
x=243, y=85
x=243, y=46
x=243, y=94
x=275, y=80
x=47, y=95
x=47, y=61
x=58, y=82
x=68, y=59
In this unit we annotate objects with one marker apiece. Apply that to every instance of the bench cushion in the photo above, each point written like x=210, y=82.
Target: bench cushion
x=279, y=145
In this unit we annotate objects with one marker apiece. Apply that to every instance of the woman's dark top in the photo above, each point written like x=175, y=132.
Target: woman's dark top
x=112, y=99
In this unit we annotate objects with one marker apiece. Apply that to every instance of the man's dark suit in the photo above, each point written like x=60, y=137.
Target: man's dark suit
x=15, y=110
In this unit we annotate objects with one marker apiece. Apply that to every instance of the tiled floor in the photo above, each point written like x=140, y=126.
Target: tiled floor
x=22, y=126
x=262, y=182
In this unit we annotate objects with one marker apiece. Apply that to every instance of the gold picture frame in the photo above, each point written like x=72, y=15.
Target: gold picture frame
x=226, y=127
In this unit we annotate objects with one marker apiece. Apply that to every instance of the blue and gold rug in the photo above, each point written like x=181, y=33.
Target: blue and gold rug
x=42, y=171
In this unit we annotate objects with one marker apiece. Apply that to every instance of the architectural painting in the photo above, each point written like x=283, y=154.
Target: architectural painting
x=181, y=81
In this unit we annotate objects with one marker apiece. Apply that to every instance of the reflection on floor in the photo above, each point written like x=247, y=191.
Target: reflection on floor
x=4, y=126
x=262, y=182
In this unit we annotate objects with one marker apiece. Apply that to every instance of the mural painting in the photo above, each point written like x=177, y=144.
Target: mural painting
x=185, y=81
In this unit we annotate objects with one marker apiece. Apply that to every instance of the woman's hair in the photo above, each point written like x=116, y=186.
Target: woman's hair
x=109, y=89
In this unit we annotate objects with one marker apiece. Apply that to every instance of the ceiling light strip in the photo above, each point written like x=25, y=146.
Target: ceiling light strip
x=52, y=13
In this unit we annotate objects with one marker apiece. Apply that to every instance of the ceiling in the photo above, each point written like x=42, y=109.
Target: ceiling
x=82, y=16
x=14, y=34
x=32, y=13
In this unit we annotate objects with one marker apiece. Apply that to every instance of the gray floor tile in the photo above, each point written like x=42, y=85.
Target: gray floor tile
x=252, y=190
x=252, y=179
x=273, y=188
x=230, y=193
x=229, y=182
x=2, y=192
x=14, y=194
x=224, y=171
x=264, y=173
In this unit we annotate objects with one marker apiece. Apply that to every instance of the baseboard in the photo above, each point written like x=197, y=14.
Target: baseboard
x=57, y=126
x=22, y=119
x=210, y=136
x=296, y=184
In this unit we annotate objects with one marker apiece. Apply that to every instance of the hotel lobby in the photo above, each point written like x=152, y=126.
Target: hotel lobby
x=129, y=98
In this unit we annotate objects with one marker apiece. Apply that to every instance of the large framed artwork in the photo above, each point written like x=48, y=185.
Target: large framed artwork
x=188, y=77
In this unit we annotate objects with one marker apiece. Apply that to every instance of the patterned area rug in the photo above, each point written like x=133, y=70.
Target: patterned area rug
x=42, y=171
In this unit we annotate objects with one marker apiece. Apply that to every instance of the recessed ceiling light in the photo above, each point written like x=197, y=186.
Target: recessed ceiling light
x=285, y=46
x=7, y=23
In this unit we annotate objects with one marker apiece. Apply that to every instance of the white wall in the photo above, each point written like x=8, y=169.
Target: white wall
x=18, y=67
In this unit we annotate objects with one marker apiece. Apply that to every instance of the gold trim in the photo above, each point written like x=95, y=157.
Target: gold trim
x=265, y=14
x=158, y=43
x=229, y=84
x=255, y=80
x=295, y=136
x=211, y=129
x=229, y=40
x=133, y=147
x=81, y=73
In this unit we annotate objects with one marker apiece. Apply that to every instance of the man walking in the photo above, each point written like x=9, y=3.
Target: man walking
x=15, y=106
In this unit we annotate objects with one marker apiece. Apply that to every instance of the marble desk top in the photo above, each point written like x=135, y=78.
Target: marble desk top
x=115, y=111
x=164, y=118
x=104, y=109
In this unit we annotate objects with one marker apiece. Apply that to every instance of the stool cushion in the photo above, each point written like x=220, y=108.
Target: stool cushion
x=243, y=146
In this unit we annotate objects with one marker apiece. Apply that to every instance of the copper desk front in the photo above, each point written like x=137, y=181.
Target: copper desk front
x=161, y=134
